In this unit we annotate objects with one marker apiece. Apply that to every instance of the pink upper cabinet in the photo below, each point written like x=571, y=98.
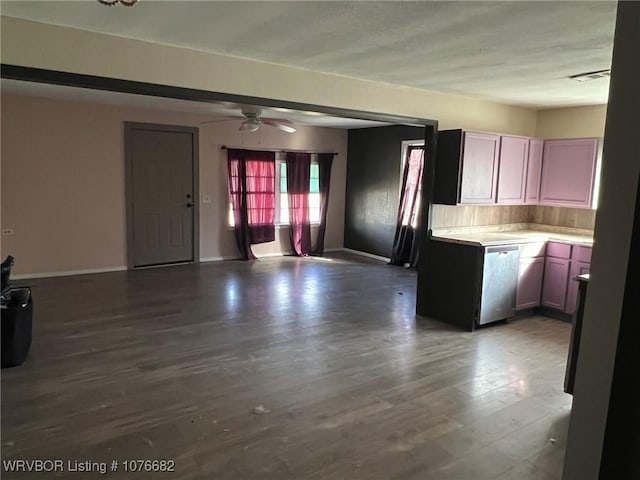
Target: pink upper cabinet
x=534, y=169
x=512, y=176
x=568, y=172
x=479, y=168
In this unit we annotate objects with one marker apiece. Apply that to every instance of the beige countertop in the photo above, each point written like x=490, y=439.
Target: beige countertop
x=513, y=234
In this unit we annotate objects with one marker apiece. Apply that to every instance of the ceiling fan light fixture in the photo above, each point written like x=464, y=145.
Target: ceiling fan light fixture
x=252, y=121
x=111, y=3
x=250, y=125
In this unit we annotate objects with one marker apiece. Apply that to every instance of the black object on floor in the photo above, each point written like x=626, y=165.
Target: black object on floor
x=5, y=272
x=17, y=319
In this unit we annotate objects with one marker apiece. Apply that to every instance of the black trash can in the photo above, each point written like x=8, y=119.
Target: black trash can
x=17, y=325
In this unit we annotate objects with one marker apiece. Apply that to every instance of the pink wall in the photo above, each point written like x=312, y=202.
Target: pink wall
x=63, y=181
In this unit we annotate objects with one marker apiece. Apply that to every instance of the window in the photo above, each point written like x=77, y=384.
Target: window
x=413, y=152
x=314, y=194
x=260, y=192
x=282, y=198
x=282, y=215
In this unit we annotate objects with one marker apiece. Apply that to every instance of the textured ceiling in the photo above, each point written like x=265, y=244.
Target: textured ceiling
x=516, y=52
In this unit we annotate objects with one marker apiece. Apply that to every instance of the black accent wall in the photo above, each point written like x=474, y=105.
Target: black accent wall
x=373, y=186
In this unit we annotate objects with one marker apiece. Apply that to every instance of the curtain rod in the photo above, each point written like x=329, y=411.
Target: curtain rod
x=224, y=147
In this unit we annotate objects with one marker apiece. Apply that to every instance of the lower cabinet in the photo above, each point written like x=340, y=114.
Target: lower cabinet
x=530, y=276
x=453, y=280
x=450, y=283
x=554, y=287
x=577, y=268
x=563, y=264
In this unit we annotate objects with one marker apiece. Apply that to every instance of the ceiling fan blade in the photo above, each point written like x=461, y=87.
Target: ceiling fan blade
x=216, y=121
x=280, y=123
x=277, y=120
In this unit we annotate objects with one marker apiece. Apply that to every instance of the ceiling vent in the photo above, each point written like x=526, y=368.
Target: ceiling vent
x=588, y=76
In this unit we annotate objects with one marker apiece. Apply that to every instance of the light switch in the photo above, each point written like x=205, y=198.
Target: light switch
x=206, y=198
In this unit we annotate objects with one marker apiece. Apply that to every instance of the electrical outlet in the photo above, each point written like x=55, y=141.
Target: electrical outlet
x=7, y=231
x=206, y=198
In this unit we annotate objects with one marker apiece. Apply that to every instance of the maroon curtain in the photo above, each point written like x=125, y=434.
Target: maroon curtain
x=298, y=188
x=252, y=192
x=405, y=242
x=325, y=160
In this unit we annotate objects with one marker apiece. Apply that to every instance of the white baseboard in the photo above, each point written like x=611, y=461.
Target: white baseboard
x=217, y=259
x=281, y=254
x=67, y=273
x=220, y=259
x=368, y=255
x=263, y=255
x=211, y=259
x=270, y=255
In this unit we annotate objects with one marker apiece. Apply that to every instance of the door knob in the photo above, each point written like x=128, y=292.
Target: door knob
x=189, y=205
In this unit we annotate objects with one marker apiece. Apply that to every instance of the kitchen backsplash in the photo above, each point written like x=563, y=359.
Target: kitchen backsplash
x=445, y=216
x=476, y=215
x=565, y=217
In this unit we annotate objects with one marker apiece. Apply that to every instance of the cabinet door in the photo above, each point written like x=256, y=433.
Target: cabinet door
x=529, y=282
x=568, y=172
x=512, y=176
x=577, y=268
x=479, y=168
x=554, y=286
x=559, y=250
x=581, y=253
x=534, y=169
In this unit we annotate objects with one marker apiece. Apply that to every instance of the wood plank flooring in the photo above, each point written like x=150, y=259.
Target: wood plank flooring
x=282, y=368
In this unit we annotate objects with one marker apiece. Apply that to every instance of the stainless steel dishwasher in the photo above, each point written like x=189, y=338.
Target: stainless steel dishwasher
x=499, y=283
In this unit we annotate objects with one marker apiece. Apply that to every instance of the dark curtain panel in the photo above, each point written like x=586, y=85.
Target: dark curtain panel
x=325, y=161
x=405, y=241
x=298, y=188
x=252, y=192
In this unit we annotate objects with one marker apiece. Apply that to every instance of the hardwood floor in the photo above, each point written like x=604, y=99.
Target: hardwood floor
x=282, y=368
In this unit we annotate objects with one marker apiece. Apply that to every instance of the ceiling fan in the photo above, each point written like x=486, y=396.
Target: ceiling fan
x=252, y=120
